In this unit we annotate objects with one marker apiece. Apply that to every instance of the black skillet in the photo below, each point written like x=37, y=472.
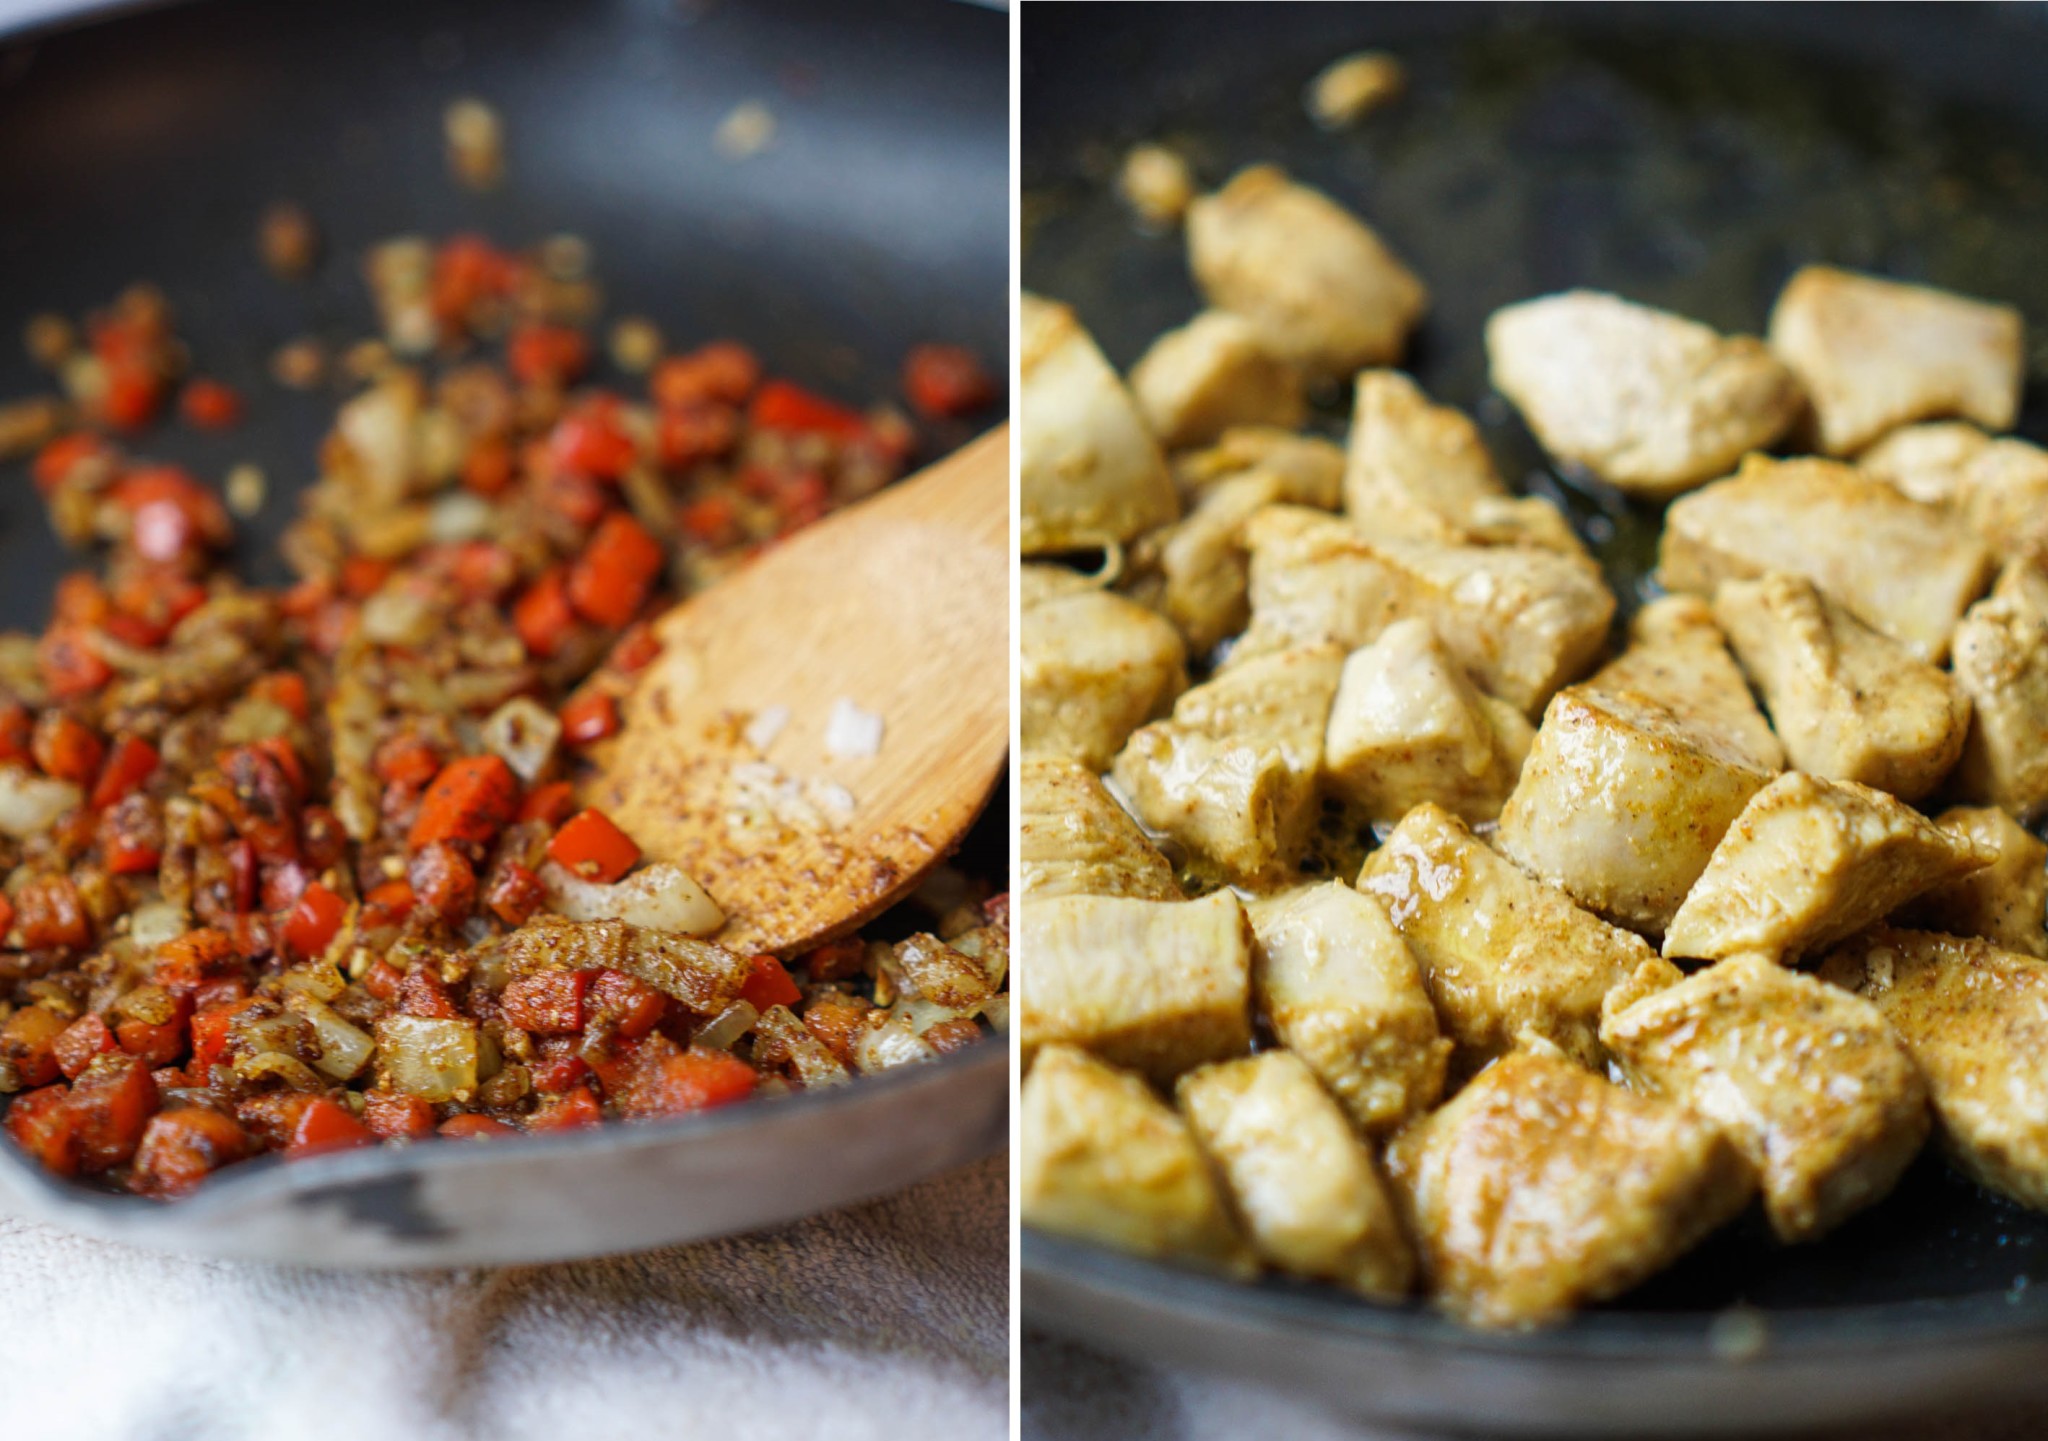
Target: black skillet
x=1688, y=156
x=146, y=144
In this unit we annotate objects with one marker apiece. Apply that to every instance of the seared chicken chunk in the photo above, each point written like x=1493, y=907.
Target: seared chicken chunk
x=1522, y=622
x=1104, y=1159
x=1409, y=726
x=2000, y=486
x=1159, y=986
x=1650, y=402
x=1907, y=569
x=1073, y=839
x=1808, y=862
x=1343, y=992
x=1926, y=462
x=1307, y=1190
x=1542, y=1187
x=1157, y=183
x=1975, y=1020
x=1806, y=1079
x=1849, y=703
x=1212, y=373
x=1310, y=469
x=1232, y=775
x=1508, y=960
x=1092, y=666
x=1322, y=288
x=1196, y=572
x=1624, y=796
x=2005, y=902
x=1678, y=656
x=1089, y=471
x=2001, y=663
x=1876, y=354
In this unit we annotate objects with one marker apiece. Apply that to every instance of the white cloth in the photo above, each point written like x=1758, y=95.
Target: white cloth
x=890, y=1320
x=1073, y=1393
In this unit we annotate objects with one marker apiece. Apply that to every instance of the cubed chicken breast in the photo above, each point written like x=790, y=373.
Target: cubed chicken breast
x=1158, y=986
x=1622, y=800
x=2001, y=664
x=1232, y=775
x=1678, y=657
x=1808, y=862
x=1975, y=1020
x=1650, y=402
x=2004, y=903
x=1508, y=960
x=1807, y=1080
x=1542, y=1187
x=1874, y=355
x=1409, y=726
x=1522, y=622
x=1196, y=571
x=1211, y=374
x=2000, y=486
x=1103, y=1159
x=1926, y=462
x=1849, y=702
x=1341, y=990
x=1092, y=667
x=1073, y=839
x=1306, y=1189
x=1089, y=471
x=1907, y=569
x=1320, y=285
x=1309, y=468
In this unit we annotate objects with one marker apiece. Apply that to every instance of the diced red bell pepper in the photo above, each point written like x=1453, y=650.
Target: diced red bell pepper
x=489, y=469
x=946, y=380
x=589, y=718
x=543, y=616
x=405, y=759
x=210, y=405
x=182, y=1147
x=550, y=1002
x=396, y=1116
x=55, y=461
x=170, y=513
x=609, y=582
x=514, y=893
x=286, y=688
x=131, y=836
x=43, y=1124
x=17, y=728
x=635, y=650
x=130, y=399
x=551, y=803
x=443, y=882
x=713, y=519
x=157, y=1042
x=314, y=921
x=628, y=1004
x=592, y=847
x=547, y=354
x=362, y=576
x=67, y=748
x=475, y=1128
x=470, y=801
x=28, y=1043
x=112, y=1099
x=768, y=984
x=696, y=1080
x=695, y=433
x=69, y=664
x=559, y=1066
x=590, y=441
x=324, y=1125
x=384, y=980
x=79, y=1042
x=422, y=993
x=131, y=765
x=723, y=371
x=188, y=962
x=779, y=405
x=572, y=1110
x=387, y=904
x=51, y=914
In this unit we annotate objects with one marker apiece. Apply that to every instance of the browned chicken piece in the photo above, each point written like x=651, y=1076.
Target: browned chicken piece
x=1909, y=570
x=2001, y=664
x=1521, y=621
x=1508, y=960
x=1320, y=285
x=1875, y=354
x=1926, y=462
x=1678, y=656
x=1808, y=862
x=1092, y=667
x=2005, y=902
x=1626, y=791
x=1409, y=726
x=1341, y=990
x=1306, y=1189
x=2000, y=486
x=1103, y=1159
x=1807, y=1080
x=1542, y=1187
x=1196, y=382
x=1232, y=776
x=1650, y=402
x=1196, y=571
x=1089, y=472
x=1849, y=703
x=1159, y=986
x=1417, y=471
x=1975, y=1020
x=1310, y=469
x=1073, y=839
x=2024, y=580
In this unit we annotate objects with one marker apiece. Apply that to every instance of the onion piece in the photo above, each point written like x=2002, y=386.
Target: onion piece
x=885, y=1047
x=294, y=1072
x=727, y=1026
x=159, y=921
x=657, y=897
x=344, y=1048
x=30, y=804
x=459, y=515
x=524, y=734
x=397, y=616
x=434, y=1060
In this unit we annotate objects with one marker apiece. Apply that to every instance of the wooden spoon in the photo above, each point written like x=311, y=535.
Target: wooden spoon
x=897, y=608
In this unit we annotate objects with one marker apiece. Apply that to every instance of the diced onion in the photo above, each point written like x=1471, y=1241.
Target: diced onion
x=30, y=804
x=657, y=897
x=524, y=733
x=289, y=1069
x=727, y=1027
x=851, y=732
x=434, y=1060
x=883, y=1048
x=996, y=1011
x=344, y=1048
x=396, y=616
x=157, y=922
x=459, y=515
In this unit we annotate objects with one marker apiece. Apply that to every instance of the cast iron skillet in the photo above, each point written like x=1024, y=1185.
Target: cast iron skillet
x=1687, y=156
x=146, y=146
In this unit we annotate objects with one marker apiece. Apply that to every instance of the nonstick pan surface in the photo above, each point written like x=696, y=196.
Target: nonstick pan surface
x=1686, y=156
